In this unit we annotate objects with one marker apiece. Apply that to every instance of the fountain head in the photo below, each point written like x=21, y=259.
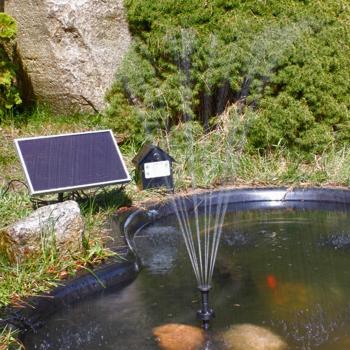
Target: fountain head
x=205, y=314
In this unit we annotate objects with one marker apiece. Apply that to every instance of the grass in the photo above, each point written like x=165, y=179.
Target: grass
x=278, y=168
x=14, y=205
x=219, y=158
x=8, y=340
x=42, y=273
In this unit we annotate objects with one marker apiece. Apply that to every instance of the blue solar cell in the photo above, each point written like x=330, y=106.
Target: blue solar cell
x=72, y=161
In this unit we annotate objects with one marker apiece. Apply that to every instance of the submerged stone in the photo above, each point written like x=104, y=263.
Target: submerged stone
x=292, y=296
x=237, y=239
x=174, y=336
x=337, y=241
x=251, y=337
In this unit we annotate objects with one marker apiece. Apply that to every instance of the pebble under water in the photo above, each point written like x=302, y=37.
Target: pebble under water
x=286, y=270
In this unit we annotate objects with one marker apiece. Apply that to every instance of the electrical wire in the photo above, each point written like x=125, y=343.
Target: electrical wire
x=9, y=184
x=74, y=195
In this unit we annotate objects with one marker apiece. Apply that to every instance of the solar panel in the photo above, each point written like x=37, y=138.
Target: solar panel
x=67, y=162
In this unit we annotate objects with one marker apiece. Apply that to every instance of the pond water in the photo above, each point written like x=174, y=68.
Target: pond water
x=283, y=269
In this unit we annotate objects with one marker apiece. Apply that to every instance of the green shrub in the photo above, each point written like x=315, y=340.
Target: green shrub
x=288, y=61
x=9, y=95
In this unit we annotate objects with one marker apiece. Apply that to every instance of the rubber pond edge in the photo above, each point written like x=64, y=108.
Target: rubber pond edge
x=111, y=276
x=133, y=220
x=128, y=221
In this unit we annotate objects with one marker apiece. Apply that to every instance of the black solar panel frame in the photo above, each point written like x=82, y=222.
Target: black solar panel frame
x=70, y=188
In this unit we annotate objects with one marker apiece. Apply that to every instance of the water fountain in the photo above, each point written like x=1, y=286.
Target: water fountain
x=202, y=247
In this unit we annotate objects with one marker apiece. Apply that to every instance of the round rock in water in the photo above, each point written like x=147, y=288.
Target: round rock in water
x=337, y=241
x=60, y=225
x=251, y=337
x=174, y=336
x=237, y=239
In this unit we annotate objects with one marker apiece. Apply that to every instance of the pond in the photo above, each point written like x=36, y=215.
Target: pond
x=284, y=269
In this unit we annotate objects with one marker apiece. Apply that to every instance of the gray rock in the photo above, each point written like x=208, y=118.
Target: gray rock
x=58, y=225
x=251, y=337
x=237, y=239
x=336, y=241
x=70, y=50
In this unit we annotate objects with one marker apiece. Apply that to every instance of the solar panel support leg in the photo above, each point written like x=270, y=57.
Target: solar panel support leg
x=60, y=197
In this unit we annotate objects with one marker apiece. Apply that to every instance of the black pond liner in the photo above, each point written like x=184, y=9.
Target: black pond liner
x=111, y=276
x=115, y=275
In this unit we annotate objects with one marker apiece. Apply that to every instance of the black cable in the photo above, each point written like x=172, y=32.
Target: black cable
x=8, y=186
x=75, y=195
x=37, y=202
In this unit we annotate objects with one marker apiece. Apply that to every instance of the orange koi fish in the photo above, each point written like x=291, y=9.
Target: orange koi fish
x=271, y=281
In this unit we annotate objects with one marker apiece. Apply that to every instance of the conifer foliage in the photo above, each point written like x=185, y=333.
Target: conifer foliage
x=9, y=95
x=285, y=63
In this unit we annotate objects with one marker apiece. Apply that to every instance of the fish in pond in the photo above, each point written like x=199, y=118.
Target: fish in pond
x=286, y=297
x=271, y=281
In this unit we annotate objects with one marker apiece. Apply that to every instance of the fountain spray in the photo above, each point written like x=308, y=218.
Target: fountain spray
x=202, y=241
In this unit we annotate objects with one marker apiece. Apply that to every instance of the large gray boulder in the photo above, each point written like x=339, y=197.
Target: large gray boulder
x=70, y=50
x=57, y=226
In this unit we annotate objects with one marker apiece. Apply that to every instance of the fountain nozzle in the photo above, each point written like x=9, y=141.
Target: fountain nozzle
x=205, y=314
